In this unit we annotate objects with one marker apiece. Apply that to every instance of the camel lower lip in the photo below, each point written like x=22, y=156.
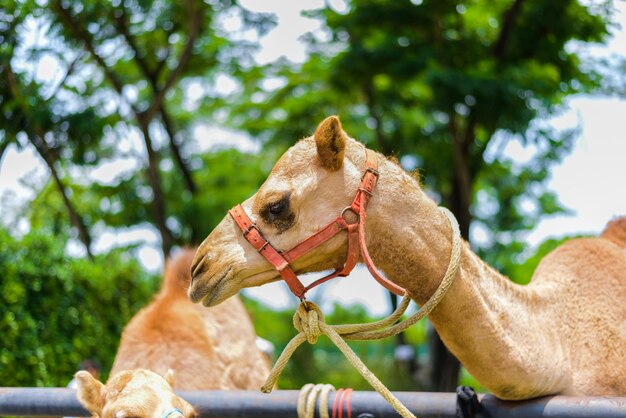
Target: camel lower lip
x=211, y=292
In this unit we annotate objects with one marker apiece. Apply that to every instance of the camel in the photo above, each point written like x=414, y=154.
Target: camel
x=563, y=333
x=132, y=393
x=203, y=348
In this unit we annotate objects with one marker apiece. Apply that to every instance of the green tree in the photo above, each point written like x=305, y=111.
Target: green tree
x=128, y=66
x=59, y=132
x=127, y=70
x=445, y=86
x=56, y=311
x=225, y=177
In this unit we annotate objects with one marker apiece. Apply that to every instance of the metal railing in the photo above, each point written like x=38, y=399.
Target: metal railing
x=282, y=404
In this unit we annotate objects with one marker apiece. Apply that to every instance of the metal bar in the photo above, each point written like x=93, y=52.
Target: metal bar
x=557, y=407
x=282, y=404
x=40, y=402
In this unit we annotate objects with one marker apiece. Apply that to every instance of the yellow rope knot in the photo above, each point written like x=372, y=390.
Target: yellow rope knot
x=307, y=319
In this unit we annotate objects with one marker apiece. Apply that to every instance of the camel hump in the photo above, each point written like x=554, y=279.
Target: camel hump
x=615, y=231
x=177, y=273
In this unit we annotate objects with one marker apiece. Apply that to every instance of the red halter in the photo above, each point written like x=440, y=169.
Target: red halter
x=356, y=239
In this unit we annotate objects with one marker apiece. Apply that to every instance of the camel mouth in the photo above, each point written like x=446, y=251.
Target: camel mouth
x=207, y=289
x=213, y=289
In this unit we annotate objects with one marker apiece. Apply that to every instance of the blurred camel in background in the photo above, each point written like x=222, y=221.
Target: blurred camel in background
x=205, y=348
x=132, y=393
x=202, y=348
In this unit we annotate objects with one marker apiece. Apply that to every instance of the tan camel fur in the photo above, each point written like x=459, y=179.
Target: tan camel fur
x=205, y=348
x=132, y=394
x=564, y=333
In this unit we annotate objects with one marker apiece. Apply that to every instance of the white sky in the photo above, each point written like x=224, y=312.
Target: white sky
x=590, y=181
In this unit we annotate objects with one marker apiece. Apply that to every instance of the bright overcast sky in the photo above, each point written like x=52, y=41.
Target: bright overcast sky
x=590, y=181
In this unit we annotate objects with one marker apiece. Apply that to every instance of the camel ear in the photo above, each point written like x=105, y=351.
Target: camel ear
x=331, y=143
x=90, y=392
x=169, y=377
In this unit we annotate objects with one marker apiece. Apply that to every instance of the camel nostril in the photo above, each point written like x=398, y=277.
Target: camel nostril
x=198, y=267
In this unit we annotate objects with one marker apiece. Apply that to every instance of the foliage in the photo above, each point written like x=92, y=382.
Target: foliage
x=445, y=86
x=123, y=65
x=56, y=311
x=523, y=272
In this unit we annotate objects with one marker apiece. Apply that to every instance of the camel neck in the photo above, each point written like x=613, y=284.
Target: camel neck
x=484, y=318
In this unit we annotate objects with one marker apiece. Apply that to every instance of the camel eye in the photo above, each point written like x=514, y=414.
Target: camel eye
x=279, y=214
x=277, y=208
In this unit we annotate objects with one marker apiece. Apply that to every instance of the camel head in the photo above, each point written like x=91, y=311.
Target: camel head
x=308, y=187
x=132, y=394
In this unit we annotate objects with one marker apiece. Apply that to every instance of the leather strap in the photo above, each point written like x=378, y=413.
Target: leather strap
x=316, y=239
x=365, y=192
x=252, y=234
x=356, y=239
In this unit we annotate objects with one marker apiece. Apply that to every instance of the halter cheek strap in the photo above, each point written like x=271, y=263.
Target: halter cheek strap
x=281, y=260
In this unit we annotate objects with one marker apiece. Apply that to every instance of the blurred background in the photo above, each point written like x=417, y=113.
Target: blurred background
x=128, y=129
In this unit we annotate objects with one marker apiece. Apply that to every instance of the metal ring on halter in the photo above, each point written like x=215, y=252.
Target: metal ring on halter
x=350, y=209
x=371, y=170
x=367, y=192
x=250, y=228
x=265, y=244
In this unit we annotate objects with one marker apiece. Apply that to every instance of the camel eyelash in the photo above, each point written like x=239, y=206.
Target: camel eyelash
x=277, y=208
x=279, y=214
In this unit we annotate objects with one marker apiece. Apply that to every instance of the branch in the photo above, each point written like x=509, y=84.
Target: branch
x=175, y=150
x=143, y=120
x=194, y=32
x=152, y=76
x=3, y=149
x=48, y=156
x=81, y=34
x=161, y=64
x=122, y=26
x=69, y=71
x=158, y=203
x=507, y=26
x=36, y=137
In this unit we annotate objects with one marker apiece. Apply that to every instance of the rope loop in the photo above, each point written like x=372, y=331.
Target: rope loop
x=308, y=396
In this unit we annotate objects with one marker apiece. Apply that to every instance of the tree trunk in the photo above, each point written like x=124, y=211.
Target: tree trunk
x=384, y=146
x=38, y=141
x=158, y=198
x=445, y=367
x=445, y=372
x=411, y=363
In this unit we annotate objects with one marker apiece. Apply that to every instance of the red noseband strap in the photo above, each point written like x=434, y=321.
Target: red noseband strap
x=356, y=239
